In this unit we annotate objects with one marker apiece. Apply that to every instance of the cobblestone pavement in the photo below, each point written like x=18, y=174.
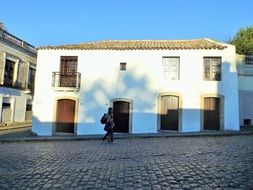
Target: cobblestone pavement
x=140, y=163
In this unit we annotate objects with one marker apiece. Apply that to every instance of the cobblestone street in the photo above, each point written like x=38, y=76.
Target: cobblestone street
x=138, y=163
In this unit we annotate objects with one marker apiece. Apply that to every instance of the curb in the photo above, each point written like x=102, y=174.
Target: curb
x=15, y=127
x=124, y=136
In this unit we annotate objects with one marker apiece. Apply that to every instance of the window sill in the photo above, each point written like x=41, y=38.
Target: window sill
x=66, y=89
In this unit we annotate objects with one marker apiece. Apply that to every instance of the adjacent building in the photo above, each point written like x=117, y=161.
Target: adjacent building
x=17, y=74
x=245, y=77
x=153, y=86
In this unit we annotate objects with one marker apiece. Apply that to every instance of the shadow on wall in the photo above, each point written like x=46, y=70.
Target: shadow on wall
x=8, y=91
x=41, y=128
x=228, y=88
x=48, y=128
x=93, y=102
x=191, y=120
x=124, y=87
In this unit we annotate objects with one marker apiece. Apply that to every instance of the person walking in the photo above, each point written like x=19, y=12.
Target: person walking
x=109, y=124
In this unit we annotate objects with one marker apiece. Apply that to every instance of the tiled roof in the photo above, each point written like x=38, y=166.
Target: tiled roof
x=142, y=45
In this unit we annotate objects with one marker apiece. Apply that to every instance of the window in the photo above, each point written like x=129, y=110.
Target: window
x=31, y=78
x=171, y=68
x=212, y=68
x=122, y=66
x=6, y=106
x=9, y=72
x=28, y=107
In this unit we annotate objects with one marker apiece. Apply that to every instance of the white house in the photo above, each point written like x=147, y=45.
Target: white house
x=245, y=77
x=153, y=86
x=17, y=73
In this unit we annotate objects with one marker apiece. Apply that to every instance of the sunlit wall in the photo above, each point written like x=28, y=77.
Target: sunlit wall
x=142, y=82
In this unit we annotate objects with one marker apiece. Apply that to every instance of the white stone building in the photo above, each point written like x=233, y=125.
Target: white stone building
x=153, y=86
x=245, y=84
x=17, y=74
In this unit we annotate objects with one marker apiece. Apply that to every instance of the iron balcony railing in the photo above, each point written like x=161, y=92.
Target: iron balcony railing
x=249, y=60
x=63, y=80
x=9, y=38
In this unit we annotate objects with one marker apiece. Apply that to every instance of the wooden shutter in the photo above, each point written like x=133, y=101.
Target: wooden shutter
x=212, y=68
x=68, y=71
x=171, y=68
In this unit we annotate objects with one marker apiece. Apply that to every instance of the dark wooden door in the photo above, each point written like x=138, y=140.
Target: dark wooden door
x=68, y=71
x=211, y=113
x=169, y=112
x=121, y=116
x=65, y=116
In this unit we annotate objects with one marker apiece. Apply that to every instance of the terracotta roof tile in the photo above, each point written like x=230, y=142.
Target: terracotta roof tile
x=142, y=45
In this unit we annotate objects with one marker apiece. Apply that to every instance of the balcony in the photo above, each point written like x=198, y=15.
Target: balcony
x=13, y=40
x=249, y=60
x=66, y=82
x=27, y=88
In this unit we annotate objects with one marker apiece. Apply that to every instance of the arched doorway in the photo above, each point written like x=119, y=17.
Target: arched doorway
x=65, y=116
x=169, y=112
x=121, y=116
x=211, y=113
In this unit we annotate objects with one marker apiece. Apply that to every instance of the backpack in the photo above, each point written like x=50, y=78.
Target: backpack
x=103, y=119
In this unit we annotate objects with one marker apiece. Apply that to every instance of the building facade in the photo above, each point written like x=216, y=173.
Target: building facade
x=245, y=85
x=17, y=74
x=153, y=86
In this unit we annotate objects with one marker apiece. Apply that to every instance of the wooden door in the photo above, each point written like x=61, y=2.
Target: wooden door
x=169, y=112
x=121, y=116
x=65, y=116
x=211, y=113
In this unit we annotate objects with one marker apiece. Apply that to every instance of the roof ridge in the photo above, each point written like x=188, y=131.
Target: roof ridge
x=147, y=40
x=200, y=43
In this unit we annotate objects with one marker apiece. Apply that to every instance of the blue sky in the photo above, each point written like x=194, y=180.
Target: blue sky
x=58, y=22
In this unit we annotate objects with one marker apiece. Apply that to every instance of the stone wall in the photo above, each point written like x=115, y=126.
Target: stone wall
x=1, y=65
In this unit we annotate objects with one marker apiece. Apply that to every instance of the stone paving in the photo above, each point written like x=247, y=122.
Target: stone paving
x=138, y=163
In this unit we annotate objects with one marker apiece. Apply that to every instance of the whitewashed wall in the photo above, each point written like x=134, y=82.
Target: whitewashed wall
x=142, y=82
x=18, y=102
x=245, y=89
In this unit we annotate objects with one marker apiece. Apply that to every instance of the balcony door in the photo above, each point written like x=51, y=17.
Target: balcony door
x=68, y=71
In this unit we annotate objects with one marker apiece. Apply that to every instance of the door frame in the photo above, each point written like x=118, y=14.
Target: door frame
x=130, y=110
x=55, y=114
x=180, y=108
x=221, y=111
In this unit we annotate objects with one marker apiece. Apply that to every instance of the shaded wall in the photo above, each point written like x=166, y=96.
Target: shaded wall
x=142, y=82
